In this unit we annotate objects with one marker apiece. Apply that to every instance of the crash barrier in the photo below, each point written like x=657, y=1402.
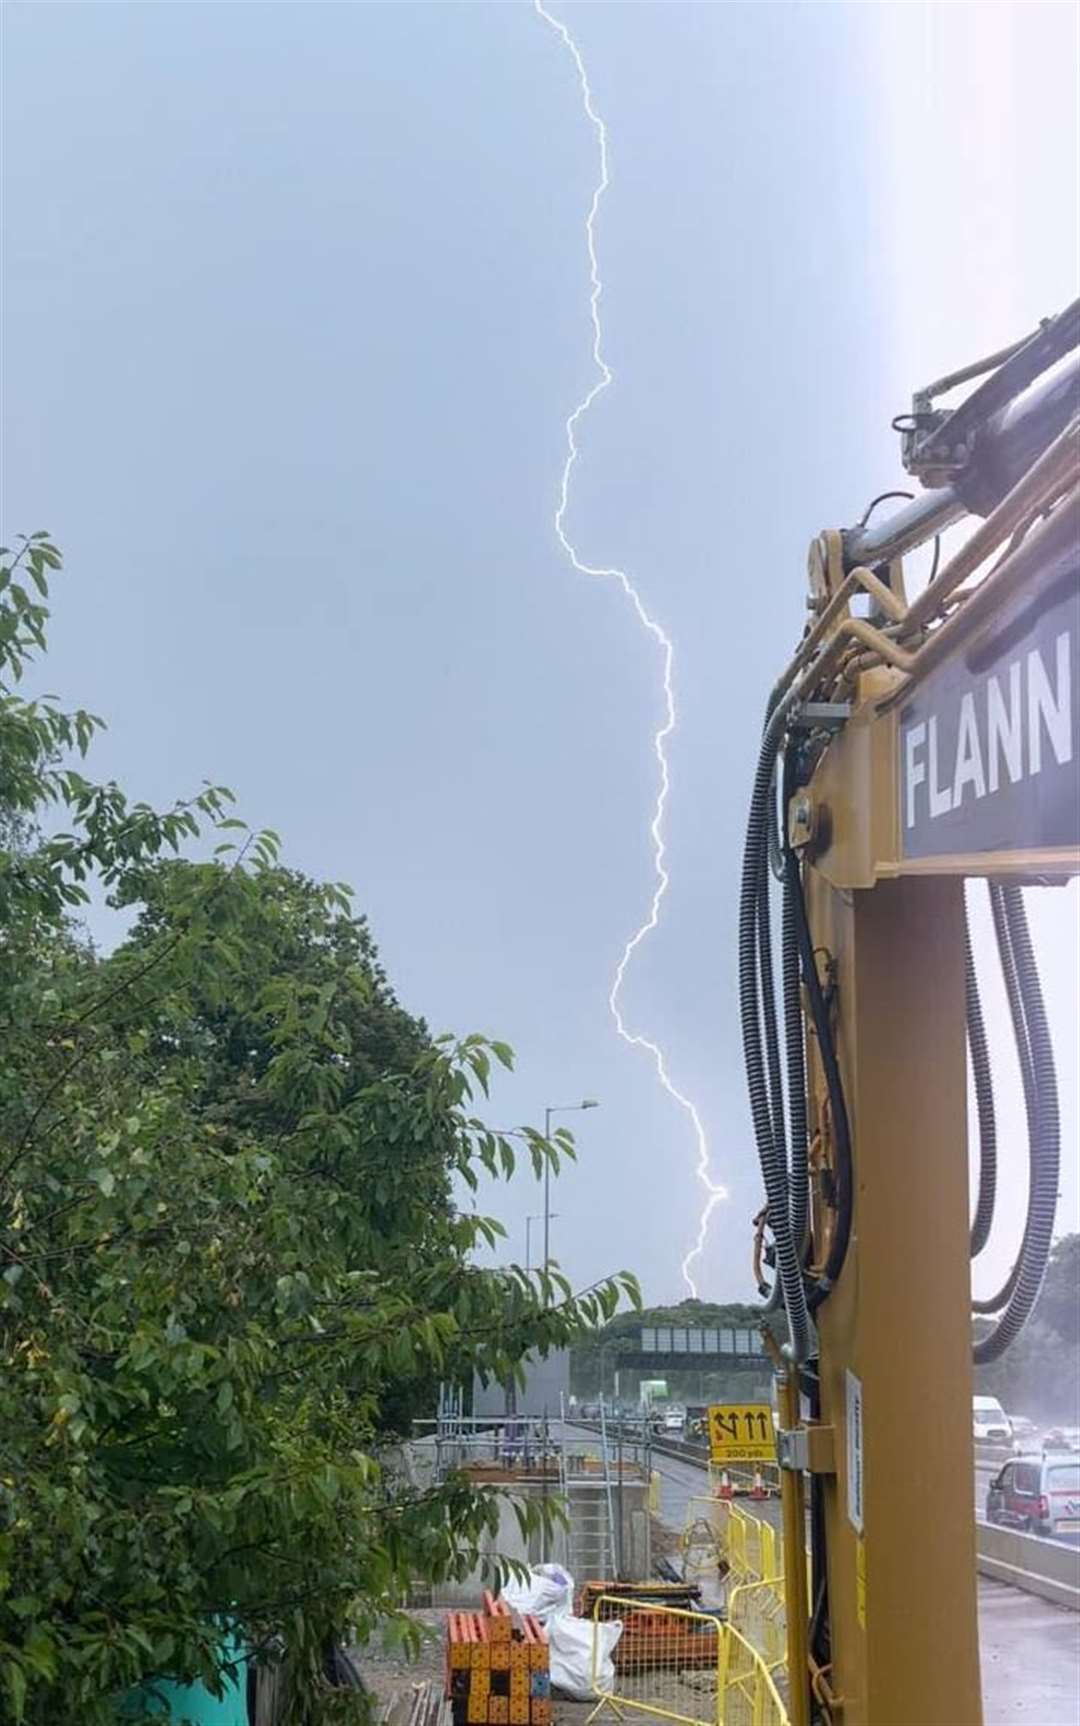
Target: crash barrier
x=681, y=1665
x=1048, y=1568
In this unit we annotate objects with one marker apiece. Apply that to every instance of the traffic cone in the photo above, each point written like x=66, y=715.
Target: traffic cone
x=758, y=1488
x=724, y=1489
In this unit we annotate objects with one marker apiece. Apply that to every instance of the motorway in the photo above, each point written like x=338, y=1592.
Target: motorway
x=1030, y=1650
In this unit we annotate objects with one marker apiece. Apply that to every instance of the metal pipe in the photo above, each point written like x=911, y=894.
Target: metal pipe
x=893, y=535
x=1049, y=476
x=1006, y=448
x=1009, y=444
x=1050, y=543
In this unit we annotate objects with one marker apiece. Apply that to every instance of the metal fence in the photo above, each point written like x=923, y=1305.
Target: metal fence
x=745, y=1688
x=681, y=1665
x=757, y=1610
x=720, y=1539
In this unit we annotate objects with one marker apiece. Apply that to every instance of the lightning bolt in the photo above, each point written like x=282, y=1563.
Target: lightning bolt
x=714, y=1192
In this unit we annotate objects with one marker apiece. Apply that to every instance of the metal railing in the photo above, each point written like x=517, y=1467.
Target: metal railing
x=681, y=1665
x=757, y=1610
x=747, y=1694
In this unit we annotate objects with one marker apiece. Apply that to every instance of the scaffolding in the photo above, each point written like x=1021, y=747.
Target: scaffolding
x=585, y=1471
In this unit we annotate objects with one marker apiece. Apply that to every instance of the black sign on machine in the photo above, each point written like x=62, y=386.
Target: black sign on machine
x=989, y=745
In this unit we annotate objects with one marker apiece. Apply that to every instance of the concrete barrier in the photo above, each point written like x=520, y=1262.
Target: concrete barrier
x=1049, y=1568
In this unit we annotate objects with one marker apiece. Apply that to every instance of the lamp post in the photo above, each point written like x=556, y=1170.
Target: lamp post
x=537, y=1217
x=556, y=1109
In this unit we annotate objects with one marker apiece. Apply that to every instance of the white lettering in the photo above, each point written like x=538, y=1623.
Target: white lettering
x=940, y=796
x=969, y=767
x=914, y=769
x=1044, y=709
x=1004, y=733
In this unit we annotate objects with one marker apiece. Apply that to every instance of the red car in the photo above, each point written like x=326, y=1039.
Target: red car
x=1039, y=1494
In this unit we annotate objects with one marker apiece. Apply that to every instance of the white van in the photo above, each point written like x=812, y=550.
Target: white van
x=989, y=1422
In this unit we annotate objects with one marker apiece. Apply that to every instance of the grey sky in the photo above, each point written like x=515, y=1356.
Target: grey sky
x=295, y=309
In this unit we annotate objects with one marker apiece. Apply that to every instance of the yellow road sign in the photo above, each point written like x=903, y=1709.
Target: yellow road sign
x=741, y=1432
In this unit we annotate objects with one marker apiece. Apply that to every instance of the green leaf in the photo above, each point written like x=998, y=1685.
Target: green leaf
x=15, y=1679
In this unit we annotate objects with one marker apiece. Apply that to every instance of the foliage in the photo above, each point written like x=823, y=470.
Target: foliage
x=230, y=1254
x=1039, y=1376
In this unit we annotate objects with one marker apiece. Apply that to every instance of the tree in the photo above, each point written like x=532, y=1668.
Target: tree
x=228, y=1242
x=1039, y=1375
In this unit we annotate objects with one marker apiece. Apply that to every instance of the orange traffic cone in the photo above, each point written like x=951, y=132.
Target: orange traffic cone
x=758, y=1488
x=724, y=1489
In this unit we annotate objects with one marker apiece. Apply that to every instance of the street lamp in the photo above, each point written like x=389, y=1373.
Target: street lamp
x=556, y=1109
x=537, y=1217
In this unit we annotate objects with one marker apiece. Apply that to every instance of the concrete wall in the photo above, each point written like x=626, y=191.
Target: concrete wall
x=1045, y=1567
x=576, y=1548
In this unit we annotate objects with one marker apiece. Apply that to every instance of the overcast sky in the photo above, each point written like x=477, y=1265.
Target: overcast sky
x=295, y=308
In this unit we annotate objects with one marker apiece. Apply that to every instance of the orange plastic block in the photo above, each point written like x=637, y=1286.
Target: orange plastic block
x=499, y=1622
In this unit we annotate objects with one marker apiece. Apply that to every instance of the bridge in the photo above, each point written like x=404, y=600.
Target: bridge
x=672, y=1347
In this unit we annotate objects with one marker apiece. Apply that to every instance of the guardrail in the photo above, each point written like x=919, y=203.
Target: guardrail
x=681, y=1665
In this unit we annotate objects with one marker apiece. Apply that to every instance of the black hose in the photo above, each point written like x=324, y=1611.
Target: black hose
x=1022, y=1038
x=774, y=1173
x=767, y=985
x=984, y=1102
x=1044, y=1132
x=841, y=1127
x=794, y=1057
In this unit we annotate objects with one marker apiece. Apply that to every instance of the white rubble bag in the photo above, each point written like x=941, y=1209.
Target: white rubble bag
x=547, y=1593
x=570, y=1648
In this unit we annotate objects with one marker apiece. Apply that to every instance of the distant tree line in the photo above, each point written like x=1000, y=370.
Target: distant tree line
x=1040, y=1375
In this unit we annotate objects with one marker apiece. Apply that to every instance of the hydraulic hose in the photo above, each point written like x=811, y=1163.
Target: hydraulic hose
x=841, y=1127
x=795, y=1061
x=1022, y=1039
x=984, y=1102
x=794, y=1035
x=1044, y=1132
x=770, y=1155
x=768, y=1019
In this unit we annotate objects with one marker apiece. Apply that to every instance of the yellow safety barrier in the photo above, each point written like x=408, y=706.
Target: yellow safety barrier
x=746, y=1693
x=705, y=1540
x=681, y=1665
x=757, y=1611
x=751, y=1549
